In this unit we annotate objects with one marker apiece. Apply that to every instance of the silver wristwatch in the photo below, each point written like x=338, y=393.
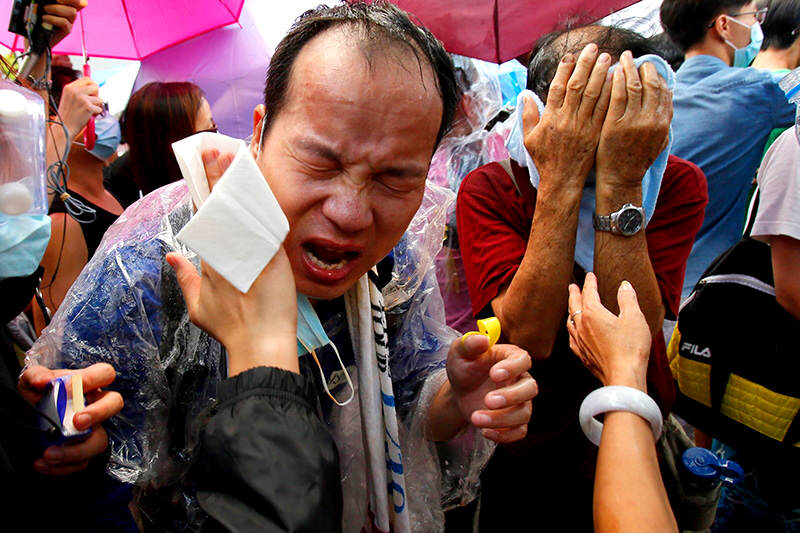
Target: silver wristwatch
x=629, y=220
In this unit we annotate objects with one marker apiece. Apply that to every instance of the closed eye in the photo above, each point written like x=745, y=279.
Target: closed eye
x=317, y=158
x=400, y=180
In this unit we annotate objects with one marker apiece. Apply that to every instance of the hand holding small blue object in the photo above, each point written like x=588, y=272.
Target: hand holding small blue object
x=101, y=405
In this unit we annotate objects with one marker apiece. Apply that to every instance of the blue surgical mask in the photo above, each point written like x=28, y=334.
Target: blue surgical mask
x=108, y=132
x=23, y=240
x=310, y=336
x=742, y=57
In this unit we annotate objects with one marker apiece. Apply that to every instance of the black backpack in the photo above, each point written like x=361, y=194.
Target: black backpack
x=735, y=354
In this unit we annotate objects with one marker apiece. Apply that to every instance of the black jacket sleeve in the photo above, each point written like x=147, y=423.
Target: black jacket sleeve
x=267, y=462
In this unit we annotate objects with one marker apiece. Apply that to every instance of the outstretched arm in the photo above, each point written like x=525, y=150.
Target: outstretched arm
x=628, y=492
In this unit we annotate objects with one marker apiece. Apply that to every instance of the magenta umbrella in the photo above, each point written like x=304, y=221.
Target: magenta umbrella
x=499, y=30
x=135, y=29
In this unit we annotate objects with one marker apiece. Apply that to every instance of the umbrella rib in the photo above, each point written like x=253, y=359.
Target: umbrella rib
x=235, y=17
x=497, y=31
x=130, y=27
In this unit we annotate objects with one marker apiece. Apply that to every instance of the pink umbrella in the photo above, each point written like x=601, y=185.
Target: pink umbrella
x=499, y=30
x=135, y=29
x=229, y=64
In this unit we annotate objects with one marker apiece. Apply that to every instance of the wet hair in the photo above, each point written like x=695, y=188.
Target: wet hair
x=550, y=48
x=782, y=24
x=687, y=21
x=157, y=115
x=377, y=25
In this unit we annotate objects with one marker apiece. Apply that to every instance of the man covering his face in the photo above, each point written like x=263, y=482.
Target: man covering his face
x=593, y=198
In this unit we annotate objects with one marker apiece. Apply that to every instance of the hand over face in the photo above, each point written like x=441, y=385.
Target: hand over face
x=101, y=405
x=564, y=141
x=636, y=127
x=62, y=15
x=262, y=321
x=614, y=348
x=492, y=387
x=80, y=101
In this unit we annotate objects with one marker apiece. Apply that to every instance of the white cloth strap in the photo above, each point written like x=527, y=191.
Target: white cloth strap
x=384, y=460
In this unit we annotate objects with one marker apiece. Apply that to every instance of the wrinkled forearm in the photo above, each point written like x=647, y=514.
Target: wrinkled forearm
x=618, y=258
x=532, y=307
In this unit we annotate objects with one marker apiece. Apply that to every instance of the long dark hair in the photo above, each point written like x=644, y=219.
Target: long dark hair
x=157, y=115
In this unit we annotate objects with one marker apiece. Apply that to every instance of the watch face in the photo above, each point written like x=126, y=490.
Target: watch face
x=629, y=221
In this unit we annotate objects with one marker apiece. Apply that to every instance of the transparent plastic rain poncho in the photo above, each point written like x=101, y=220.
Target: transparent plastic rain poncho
x=467, y=147
x=127, y=309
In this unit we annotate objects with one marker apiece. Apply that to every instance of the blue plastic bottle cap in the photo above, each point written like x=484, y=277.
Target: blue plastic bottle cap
x=701, y=463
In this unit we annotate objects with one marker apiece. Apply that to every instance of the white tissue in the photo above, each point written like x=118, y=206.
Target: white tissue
x=239, y=226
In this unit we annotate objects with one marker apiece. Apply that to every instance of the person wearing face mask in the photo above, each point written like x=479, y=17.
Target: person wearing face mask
x=780, y=51
x=34, y=472
x=74, y=239
x=357, y=99
x=265, y=460
x=724, y=112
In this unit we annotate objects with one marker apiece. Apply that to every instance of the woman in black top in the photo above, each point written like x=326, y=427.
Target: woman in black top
x=74, y=239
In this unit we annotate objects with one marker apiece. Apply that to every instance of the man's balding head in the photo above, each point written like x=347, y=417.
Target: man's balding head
x=549, y=50
x=376, y=29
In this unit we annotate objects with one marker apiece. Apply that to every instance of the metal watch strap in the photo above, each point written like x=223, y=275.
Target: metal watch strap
x=611, y=223
x=602, y=222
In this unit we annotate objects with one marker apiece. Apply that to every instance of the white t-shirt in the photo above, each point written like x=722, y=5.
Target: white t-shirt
x=779, y=183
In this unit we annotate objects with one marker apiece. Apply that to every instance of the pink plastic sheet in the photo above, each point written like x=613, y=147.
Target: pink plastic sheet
x=135, y=29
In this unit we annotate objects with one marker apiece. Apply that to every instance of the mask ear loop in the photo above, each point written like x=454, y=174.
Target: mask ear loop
x=325, y=381
x=261, y=136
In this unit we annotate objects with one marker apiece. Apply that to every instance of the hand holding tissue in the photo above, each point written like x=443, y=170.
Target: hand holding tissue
x=237, y=230
x=250, y=309
x=239, y=226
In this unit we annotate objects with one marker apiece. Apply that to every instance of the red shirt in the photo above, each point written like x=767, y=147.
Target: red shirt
x=494, y=222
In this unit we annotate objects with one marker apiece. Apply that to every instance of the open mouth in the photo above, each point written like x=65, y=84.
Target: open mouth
x=328, y=258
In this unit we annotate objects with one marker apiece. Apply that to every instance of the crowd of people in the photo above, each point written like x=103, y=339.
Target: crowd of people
x=581, y=218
